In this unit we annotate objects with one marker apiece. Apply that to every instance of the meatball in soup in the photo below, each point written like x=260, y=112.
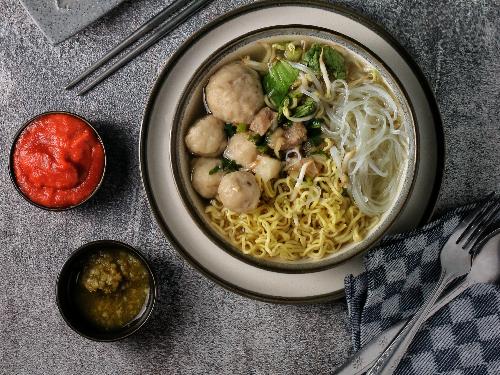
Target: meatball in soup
x=206, y=137
x=234, y=94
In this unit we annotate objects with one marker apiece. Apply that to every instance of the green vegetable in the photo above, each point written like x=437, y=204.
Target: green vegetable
x=311, y=57
x=278, y=80
x=314, y=135
x=227, y=165
x=284, y=104
x=259, y=140
x=254, y=137
x=292, y=99
x=334, y=61
x=292, y=52
x=306, y=108
x=241, y=128
x=315, y=123
x=317, y=152
x=281, y=117
x=230, y=130
x=315, y=140
x=214, y=170
x=263, y=148
x=280, y=46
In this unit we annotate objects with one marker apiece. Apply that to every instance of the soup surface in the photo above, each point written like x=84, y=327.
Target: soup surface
x=300, y=152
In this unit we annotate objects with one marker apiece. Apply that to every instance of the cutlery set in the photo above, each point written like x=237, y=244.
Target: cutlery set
x=469, y=252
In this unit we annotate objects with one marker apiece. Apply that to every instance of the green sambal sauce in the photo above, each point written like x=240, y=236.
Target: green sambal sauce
x=112, y=288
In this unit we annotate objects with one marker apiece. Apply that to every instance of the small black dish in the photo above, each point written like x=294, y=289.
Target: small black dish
x=66, y=285
x=11, y=161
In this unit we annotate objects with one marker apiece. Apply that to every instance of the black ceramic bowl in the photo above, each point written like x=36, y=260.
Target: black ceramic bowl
x=65, y=289
x=11, y=162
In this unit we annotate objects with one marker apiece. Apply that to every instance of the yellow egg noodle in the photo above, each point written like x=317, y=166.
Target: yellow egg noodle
x=307, y=227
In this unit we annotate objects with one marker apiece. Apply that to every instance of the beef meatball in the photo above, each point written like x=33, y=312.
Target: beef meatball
x=241, y=150
x=234, y=94
x=206, y=137
x=239, y=192
x=204, y=183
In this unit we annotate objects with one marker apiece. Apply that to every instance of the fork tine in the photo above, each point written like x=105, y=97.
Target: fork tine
x=476, y=215
x=488, y=217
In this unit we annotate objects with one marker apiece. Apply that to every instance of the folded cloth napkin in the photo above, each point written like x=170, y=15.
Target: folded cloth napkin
x=462, y=338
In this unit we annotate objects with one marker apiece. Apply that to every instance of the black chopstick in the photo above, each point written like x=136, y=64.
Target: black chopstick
x=144, y=45
x=136, y=35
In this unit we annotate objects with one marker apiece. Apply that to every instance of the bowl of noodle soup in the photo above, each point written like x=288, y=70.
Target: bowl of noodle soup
x=294, y=148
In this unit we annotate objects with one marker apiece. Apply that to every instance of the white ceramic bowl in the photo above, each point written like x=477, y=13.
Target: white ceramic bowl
x=190, y=107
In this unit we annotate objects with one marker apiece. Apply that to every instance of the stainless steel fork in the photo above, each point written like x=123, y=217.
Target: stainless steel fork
x=455, y=262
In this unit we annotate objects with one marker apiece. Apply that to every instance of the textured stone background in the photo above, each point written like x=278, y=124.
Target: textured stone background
x=198, y=327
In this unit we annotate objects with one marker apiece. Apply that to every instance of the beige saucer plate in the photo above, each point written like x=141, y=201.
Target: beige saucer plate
x=157, y=173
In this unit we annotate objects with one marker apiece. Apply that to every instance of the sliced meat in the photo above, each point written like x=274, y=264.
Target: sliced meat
x=294, y=135
x=263, y=120
x=289, y=138
x=294, y=165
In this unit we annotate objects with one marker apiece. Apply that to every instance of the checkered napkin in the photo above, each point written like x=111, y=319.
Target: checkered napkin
x=462, y=338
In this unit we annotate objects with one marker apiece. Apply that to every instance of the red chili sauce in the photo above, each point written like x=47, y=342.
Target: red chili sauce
x=58, y=160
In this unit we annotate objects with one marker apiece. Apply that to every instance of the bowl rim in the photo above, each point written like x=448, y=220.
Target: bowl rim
x=11, y=161
x=429, y=96
x=224, y=244
x=153, y=287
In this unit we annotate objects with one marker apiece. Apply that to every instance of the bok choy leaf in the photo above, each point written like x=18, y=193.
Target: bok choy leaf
x=305, y=109
x=334, y=61
x=278, y=80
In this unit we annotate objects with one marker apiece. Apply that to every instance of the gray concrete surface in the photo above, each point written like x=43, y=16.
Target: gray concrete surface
x=198, y=327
